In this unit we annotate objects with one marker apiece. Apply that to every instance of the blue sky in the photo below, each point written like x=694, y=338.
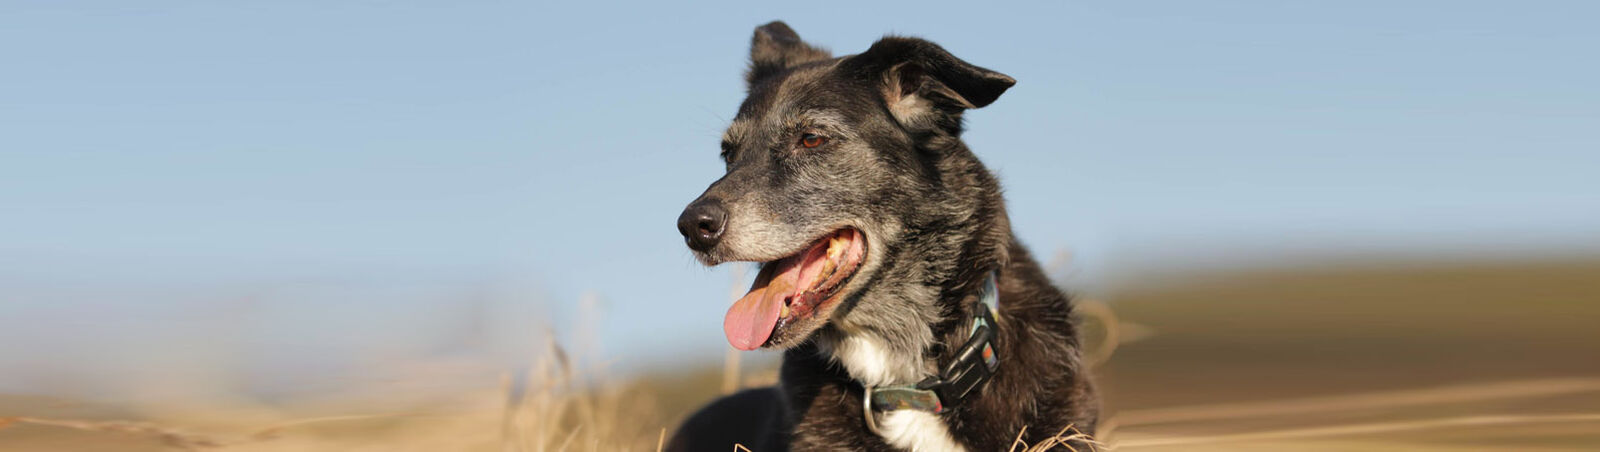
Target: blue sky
x=367, y=166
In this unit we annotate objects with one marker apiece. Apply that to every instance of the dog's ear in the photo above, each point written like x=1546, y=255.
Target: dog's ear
x=776, y=47
x=923, y=84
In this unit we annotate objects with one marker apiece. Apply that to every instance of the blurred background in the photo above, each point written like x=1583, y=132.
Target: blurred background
x=310, y=224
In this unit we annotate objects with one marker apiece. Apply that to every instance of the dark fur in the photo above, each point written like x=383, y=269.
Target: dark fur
x=936, y=224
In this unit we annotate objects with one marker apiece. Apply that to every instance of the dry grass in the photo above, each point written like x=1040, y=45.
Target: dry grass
x=551, y=408
x=1063, y=439
x=1241, y=376
x=169, y=436
x=556, y=411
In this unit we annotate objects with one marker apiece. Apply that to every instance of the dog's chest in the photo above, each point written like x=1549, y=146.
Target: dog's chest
x=916, y=431
x=869, y=362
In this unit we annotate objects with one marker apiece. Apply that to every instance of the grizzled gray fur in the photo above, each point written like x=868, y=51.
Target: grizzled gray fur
x=894, y=167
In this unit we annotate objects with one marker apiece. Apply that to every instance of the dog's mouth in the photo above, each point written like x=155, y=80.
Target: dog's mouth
x=793, y=290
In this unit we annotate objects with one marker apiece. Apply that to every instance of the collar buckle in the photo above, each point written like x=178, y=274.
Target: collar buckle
x=973, y=365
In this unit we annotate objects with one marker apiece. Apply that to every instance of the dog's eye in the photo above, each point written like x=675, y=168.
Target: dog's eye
x=811, y=140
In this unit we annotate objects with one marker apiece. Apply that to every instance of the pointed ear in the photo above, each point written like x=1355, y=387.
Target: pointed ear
x=776, y=47
x=922, y=82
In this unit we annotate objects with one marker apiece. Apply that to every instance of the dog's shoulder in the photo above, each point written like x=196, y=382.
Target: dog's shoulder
x=752, y=418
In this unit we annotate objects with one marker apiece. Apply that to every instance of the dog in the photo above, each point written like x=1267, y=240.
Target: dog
x=910, y=317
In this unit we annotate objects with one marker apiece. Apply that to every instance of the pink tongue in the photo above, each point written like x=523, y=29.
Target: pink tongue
x=751, y=319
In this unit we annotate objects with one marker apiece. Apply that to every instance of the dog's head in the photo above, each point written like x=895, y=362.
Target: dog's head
x=837, y=170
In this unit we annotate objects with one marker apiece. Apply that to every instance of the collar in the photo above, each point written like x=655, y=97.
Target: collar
x=974, y=365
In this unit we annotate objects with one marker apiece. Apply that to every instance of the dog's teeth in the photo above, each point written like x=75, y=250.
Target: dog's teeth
x=785, y=311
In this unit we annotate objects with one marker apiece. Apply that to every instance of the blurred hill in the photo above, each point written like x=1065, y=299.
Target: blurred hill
x=1489, y=337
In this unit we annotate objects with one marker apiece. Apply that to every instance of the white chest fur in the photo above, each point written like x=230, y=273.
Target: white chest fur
x=869, y=362
x=917, y=431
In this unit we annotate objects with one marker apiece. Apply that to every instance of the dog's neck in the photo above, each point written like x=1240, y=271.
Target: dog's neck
x=873, y=360
x=906, y=354
x=897, y=334
x=878, y=355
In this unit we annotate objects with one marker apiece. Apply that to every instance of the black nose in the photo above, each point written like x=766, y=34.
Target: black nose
x=702, y=224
